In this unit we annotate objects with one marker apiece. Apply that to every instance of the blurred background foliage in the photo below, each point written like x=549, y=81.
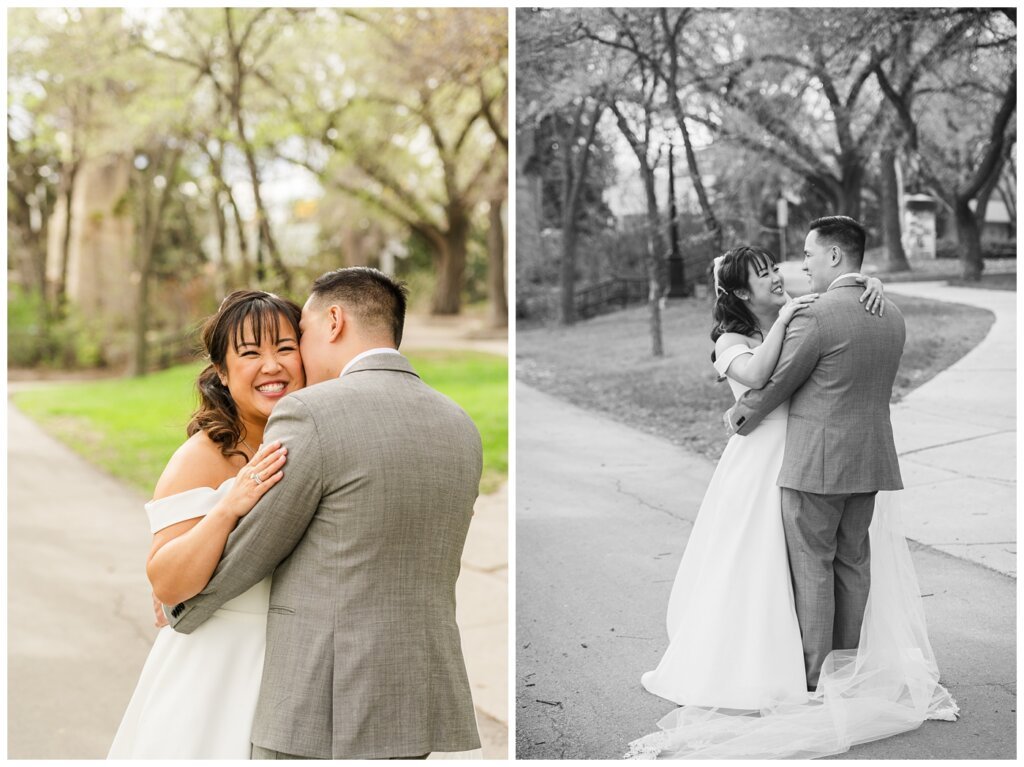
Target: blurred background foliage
x=649, y=140
x=159, y=158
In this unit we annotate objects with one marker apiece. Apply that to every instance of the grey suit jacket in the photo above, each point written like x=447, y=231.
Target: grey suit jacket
x=837, y=369
x=364, y=537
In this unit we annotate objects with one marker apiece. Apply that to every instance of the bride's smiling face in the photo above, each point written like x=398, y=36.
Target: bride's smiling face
x=261, y=368
x=767, y=287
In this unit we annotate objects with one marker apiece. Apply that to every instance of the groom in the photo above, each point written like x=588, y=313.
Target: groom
x=364, y=537
x=837, y=369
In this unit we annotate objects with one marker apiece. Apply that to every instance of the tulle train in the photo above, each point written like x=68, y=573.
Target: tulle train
x=889, y=685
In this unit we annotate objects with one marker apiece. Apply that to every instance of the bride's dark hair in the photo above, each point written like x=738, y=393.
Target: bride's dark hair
x=731, y=273
x=258, y=312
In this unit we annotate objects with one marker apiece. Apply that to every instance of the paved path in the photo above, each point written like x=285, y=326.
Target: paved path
x=79, y=623
x=956, y=436
x=423, y=331
x=603, y=513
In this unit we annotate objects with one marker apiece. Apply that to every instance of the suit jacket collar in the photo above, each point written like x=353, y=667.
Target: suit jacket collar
x=395, y=362
x=846, y=281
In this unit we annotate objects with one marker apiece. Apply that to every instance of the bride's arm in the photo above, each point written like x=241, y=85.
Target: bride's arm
x=755, y=369
x=185, y=555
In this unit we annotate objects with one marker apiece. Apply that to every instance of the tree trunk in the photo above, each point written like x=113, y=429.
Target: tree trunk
x=567, y=271
x=152, y=220
x=655, y=261
x=969, y=233
x=897, y=258
x=450, y=258
x=710, y=222
x=221, y=275
x=496, y=266
x=851, y=180
x=573, y=179
x=68, y=184
x=243, y=240
x=265, y=234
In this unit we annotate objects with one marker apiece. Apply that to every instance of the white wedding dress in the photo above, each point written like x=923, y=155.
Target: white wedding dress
x=735, y=658
x=197, y=693
x=196, y=696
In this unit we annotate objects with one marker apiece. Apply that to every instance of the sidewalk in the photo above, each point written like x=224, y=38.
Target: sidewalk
x=79, y=617
x=956, y=436
x=424, y=331
x=603, y=513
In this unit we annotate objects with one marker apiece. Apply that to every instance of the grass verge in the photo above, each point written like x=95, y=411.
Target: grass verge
x=605, y=364
x=130, y=426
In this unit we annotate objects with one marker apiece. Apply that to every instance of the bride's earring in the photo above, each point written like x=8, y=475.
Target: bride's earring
x=742, y=295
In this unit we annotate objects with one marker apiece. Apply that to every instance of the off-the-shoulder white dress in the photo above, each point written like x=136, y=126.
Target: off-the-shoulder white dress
x=197, y=693
x=734, y=641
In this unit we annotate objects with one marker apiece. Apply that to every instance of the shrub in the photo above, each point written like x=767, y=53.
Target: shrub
x=947, y=249
x=1005, y=249
x=35, y=338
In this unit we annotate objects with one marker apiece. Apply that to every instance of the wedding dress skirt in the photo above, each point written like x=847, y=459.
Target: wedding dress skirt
x=196, y=697
x=744, y=643
x=734, y=639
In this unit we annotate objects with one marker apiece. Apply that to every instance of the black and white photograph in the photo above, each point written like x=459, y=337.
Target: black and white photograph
x=765, y=399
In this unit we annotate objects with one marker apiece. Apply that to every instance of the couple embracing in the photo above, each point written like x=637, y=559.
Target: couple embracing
x=795, y=621
x=307, y=538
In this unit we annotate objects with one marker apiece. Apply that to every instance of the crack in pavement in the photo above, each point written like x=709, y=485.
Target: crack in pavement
x=619, y=489
x=959, y=474
x=956, y=442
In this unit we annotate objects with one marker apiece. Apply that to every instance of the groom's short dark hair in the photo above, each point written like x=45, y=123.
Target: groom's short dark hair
x=377, y=300
x=845, y=232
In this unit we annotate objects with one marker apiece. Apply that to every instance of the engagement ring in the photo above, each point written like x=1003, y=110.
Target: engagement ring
x=256, y=478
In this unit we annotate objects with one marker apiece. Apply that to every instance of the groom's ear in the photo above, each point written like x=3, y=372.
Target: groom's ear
x=835, y=255
x=336, y=322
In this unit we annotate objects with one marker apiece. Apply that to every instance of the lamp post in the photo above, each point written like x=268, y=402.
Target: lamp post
x=676, y=269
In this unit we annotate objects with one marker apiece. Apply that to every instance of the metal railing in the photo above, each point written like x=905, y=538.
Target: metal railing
x=609, y=295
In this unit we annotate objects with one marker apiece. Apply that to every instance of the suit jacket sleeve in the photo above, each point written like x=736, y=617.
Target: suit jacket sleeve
x=801, y=350
x=267, y=534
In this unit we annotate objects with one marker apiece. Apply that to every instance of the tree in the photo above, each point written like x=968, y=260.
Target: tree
x=639, y=132
x=229, y=54
x=152, y=189
x=655, y=38
x=561, y=83
x=403, y=124
x=64, y=85
x=959, y=152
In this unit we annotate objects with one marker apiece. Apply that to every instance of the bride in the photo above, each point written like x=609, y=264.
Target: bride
x=735, y=658
x=197, y=693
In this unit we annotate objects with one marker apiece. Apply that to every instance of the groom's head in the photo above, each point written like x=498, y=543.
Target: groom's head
x=349, y=311
x=834, y=246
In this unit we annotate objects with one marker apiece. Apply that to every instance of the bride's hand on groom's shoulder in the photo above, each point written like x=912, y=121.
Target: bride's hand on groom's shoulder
x=873, y=296
x=794, y=305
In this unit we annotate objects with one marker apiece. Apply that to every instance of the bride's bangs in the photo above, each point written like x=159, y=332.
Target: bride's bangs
x=760, y=259
x=258, y=318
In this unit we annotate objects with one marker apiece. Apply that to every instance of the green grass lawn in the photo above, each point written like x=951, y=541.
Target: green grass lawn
x=605, y=364
x=130, y=427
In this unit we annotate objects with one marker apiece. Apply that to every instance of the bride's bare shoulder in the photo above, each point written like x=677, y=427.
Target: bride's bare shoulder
x=197, y=463
x=729, y=340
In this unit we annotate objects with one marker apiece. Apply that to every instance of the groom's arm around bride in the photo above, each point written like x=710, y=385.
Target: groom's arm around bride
x=366, y=531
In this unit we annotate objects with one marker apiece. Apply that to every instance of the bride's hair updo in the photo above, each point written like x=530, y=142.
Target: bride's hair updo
x=257, y=311
x=730, y=273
